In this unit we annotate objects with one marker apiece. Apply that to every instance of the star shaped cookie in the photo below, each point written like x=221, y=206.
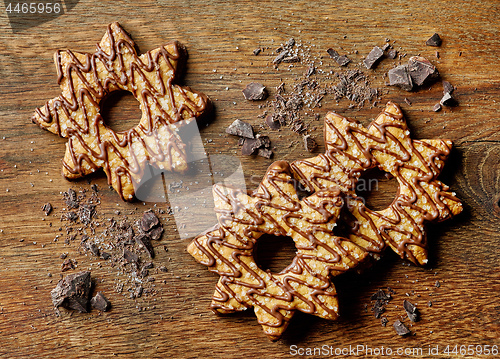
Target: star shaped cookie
x=275, y=208
x=87, y=78
x=352, y=149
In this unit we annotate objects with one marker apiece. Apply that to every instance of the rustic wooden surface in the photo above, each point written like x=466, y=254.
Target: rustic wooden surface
x=220, y=37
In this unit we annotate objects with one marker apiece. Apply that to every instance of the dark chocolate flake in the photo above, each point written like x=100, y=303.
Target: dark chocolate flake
x=145, y=242
x=448, y=100
x=105, y=255
x=47, y=208
x=100, y=302
x=156, y=233
x=343, y=60
x=149, y=221
x=399, y=76
x=447, y=88
x=240, y=128
x=264, y=152
x=421, y=70
x=255, y=91
x=73, y=292
x=257, y=51
x=411, y=310
x=437, y=107
x=273, y=125
x=392, y=53
x=250, y=146
x=310, y=143
x=434, y=40
x=333, y=54
x=401, y=328
x=372, y=58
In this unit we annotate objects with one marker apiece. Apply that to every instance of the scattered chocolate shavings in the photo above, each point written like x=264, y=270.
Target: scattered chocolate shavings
x=100, y=302
x=255, y=91
x=373, y=57
x=310, y=143
x=47, y=208
x=144, y=241
x=354, y=86
x=411, y=310
x=401, y=328
x=437, y=107
x=447, y=88
x=85, y=213
x=434, y=40
x=421, y=70
x=380, y=295
x=240, y=128
x=399, y=76
x=73, y=292
x=71, y=199
x=105, y=255
x=149, y=221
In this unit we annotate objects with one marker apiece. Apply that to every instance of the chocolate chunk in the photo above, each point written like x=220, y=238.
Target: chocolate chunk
x=399, y=76
x=273, y=125
x=380, y=295
x=85, y=213
x=67, y=265
x=372, y=58
x=145, y=242
x=333, y=54
x=250, y=146
x=437, y=107
x=378, y=309
x=310, y=143
x=71, y=216
x=257, y=51
x=341, y=60
x=255, y=92
x=93, y=248
x=100, y=302
x=240, y=128
x=384, y=321
x=156, y=233
x=105, y=255
x=290, y=59
x=264, y=152
x=447, y=88
x=130, y=257
x=434, y=40
x=149, y=221
x=73, y=292
x=400, y=328
x=386, y=46
x=277, y=60
x=392, y=53
x=47, y=208
x=411, y=310
x=448, y=100
x=263, y=141
x=421, y=70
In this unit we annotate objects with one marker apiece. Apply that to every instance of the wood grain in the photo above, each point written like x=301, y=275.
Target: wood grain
x=220, y=37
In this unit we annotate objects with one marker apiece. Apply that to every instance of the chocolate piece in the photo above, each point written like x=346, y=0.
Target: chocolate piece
x=263, y=141
x=386, y=46
x=240, y=128
x=392, y=53
x=384, y=321
x=290, y=59
x=447, y=88
x=105, y=255
x=149, y=220
x=310, y=143
x=93, y=248
x=255, y=91
x=411, y=310
x=333, y=54
x=71, y=216
x=421, y=70
x=144, y=241
x=434, y=40
x=257, y=51
x=85, y=213
x=372, y=58
x=47, y=208
x=343, y=60
x=380, y=295
x=437, y=107
x=437, y=285
x=378, y=310
x=277, y=60
x=250, y=146
x=241, y=140
x=71, y=199
x=100, y=302
x=264, y=152
x=67, y=265
x=311, y=70
x=156, y=233
x=130, y=257
x=401, y=328
x=399, y=76
x=408, y=102
x=273, y=125
x=448, y=100
x=290, y=42
x=73, y=292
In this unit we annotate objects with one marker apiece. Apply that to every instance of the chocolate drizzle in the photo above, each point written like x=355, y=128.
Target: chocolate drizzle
x=86, y=79
x=352, y=149
x=275, y=208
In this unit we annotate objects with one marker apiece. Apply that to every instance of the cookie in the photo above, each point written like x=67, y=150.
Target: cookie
x=87, y=78
x=275, y=208
x=352, y=149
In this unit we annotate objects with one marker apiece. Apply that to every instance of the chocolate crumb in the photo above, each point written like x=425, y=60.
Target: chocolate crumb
x=386, y=46
x=257, y=51
x=373, y=57
x=149, y=221
x=384, y=321
x=392, y=54
x=47, y=208
x=310, y=70
x=255, y=92
x=100, y=302
x=408, y=102
x=437, y=107
x=73, y=292
x=437, y=284
x=434, y=40
x=448, y=100
x=411, y=310
x=144, y=241
x=401, y=328
x=264, y=152
x=447, y=88
x=399, y=76
x=67, y=265
x=240, y=128
x=105, y=255
x=273, y=125
x=310, y=143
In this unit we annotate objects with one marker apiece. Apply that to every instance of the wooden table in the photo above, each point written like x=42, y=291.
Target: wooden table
x=220, y=37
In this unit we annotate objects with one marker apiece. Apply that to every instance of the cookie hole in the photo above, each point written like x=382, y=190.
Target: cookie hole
x=274, y=252
x=120, y=111
x=377, y=188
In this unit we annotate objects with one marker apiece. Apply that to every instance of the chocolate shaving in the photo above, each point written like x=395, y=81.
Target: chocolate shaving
x=67, y=265
x=264, y=152
x=240, y=128
x=401, y=328
x=411, y=311
x=144, y=241
x=447, y=88
x=448, y=100
x=257, y=51
x=399, y=76
x=73, y=292
x=149, y=221
x=392, y=53
x=373, y=57
x=47, y=208
x=273, y=125
x=434, y=40
x=100, y=302
x=71, y=199
x=341, y=60
x=310, y=143
x=437, y=107
x=255, y=91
